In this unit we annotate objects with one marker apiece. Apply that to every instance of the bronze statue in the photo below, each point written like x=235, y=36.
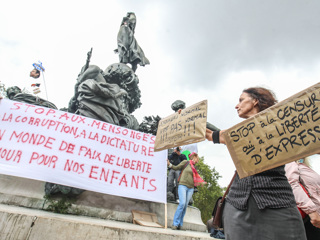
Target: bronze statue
x=150, y=125
x=109, y=96
x=178, y=104
x=128, y=47
x=14, y=93
x=73, y=103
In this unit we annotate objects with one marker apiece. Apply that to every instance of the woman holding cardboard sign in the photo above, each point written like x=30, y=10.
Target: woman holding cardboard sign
x=188, y=179
x=261, y=206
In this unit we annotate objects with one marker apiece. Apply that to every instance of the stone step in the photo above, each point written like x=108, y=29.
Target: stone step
x=29, y=193
x=21, y=223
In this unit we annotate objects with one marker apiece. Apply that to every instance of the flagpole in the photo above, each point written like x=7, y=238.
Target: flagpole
x=45, y=87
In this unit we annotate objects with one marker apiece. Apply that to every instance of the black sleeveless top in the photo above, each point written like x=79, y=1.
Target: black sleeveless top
x=270, y=189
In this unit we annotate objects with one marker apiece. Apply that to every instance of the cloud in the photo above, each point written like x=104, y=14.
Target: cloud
x=214, y=38
x=198, y=50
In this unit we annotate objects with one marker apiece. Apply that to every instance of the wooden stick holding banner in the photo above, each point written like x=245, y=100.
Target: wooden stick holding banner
x=166, y=216
x=283, y=133
x=181, y=129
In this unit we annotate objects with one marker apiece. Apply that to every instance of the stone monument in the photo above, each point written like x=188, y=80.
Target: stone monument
x=111, y=95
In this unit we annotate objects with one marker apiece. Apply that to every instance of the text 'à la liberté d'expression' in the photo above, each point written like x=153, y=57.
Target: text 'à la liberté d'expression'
x=295, y=125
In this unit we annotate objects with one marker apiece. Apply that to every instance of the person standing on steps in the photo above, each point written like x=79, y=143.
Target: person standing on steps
x=188, y=179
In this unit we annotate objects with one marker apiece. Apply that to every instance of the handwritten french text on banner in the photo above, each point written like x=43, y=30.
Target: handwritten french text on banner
x=283, y=133
x=182, y=129
x=59, y=147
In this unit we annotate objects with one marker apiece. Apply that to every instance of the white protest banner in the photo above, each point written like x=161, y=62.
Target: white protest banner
x=283, y=133
x=59, y=147
x=182, y=129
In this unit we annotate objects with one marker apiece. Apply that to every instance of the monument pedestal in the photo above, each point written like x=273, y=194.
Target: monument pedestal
x=29, y=193
x=20, y=223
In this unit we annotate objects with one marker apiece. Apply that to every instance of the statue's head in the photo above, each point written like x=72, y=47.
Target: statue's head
x=12, y=91
x=178, y=104
x=122, y=75
x=131, y=18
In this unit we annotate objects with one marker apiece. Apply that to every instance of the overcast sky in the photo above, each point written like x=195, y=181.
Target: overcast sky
x=206, y=49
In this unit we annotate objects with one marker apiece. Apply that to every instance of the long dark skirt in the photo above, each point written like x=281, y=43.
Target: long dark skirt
x=256, y=224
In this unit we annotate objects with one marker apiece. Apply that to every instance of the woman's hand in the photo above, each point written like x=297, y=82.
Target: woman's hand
x=221, y=136
x=209, y=134
x=315, y=219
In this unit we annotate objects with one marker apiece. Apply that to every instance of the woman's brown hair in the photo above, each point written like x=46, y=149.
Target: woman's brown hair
x=266, y=98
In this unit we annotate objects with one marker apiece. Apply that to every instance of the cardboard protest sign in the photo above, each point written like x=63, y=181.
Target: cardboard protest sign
x=283, y=133
x=63, y=148
x=181, y=129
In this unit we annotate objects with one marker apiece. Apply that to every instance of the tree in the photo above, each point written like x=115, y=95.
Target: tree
x=207, y=194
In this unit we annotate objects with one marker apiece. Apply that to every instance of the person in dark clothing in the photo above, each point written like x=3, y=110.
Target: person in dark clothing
x=175, y=159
